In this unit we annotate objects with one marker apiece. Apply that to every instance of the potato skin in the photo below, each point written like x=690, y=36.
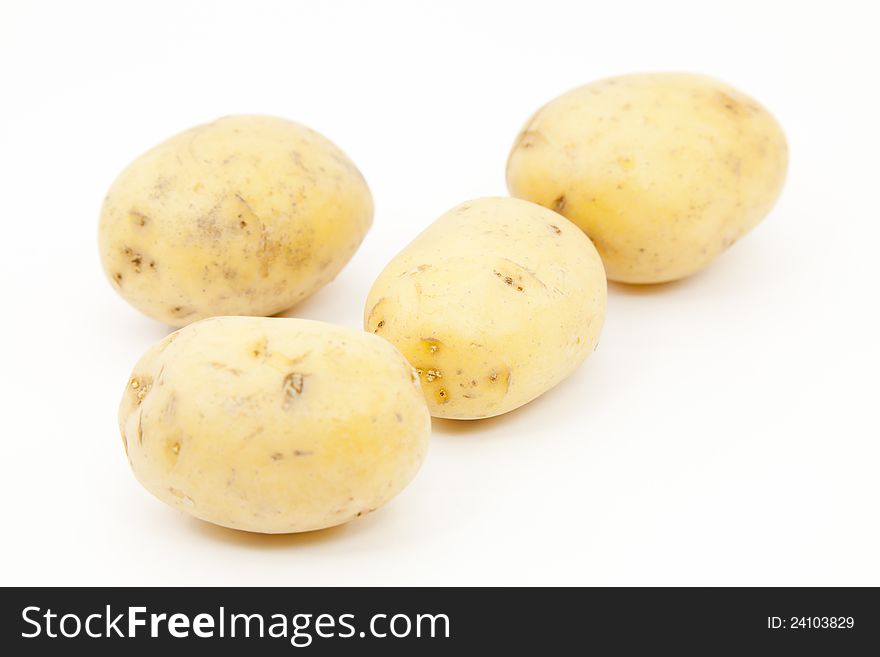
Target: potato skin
x=494, y=303
x=273, y=425
x=247, y=215
x=663, y=171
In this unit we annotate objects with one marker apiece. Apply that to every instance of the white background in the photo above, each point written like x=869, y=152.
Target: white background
x=725, y=432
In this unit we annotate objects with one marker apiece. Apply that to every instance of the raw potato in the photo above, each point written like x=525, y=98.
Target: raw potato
x=494, y=304
x=244, y=216
x=274, y=425
x=663, y=171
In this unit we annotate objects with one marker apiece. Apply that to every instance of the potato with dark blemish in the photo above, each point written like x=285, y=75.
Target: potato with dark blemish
x=494, y=304
x=664, y=171
x=247, y=215
x=274, y=425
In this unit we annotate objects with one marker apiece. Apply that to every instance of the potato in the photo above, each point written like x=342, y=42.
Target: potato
x=244, y=216
x=494, y=304
x=663, y=171
x=273, y=425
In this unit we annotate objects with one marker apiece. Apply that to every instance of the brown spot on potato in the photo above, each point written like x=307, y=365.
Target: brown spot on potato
x=234, y=371
x=260, y=349
x=139, y=217
x=442, y=396
x=277, y=456
x=182, y=311
x=117, y=278
x=292, y=387
x=559, y=203
x=302, y=452
x=556, y=229
x=530, y=138
x=509, y=280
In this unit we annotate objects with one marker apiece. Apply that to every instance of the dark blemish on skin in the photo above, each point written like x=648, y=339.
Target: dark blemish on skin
x=508, y=280
x=493, y=376
x=442, y=396
x=399, y=417
x=529, y=138
x=226, y=368
x=180, y=311
x=260, y=348
x=140, y=429
x=139, y=217
x=469, y=396
x=302, y=452
x=559, y=203
x=277, y=456
x=373, y=309
x=409, y=272
x=556, y=229
x=153, y=265
x=117, y=278
x=379, y=325
x=292, y=387
x=458, y=371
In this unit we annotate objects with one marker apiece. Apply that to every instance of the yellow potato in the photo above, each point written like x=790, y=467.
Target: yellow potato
x=274, y=425
x=494, y=304
x=663, y=171
x=243, y=216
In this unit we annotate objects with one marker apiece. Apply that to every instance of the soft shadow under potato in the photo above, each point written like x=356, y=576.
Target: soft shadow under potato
x=246, y=539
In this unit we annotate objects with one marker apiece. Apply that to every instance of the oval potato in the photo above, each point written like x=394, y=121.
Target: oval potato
x=663, y=171
x=273, y=425
x=243, y=216
x=494, y=304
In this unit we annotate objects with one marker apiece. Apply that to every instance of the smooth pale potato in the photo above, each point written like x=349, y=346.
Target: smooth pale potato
x=247, y=215
x=274, y=425
x=663, y=171
x=494, y=304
